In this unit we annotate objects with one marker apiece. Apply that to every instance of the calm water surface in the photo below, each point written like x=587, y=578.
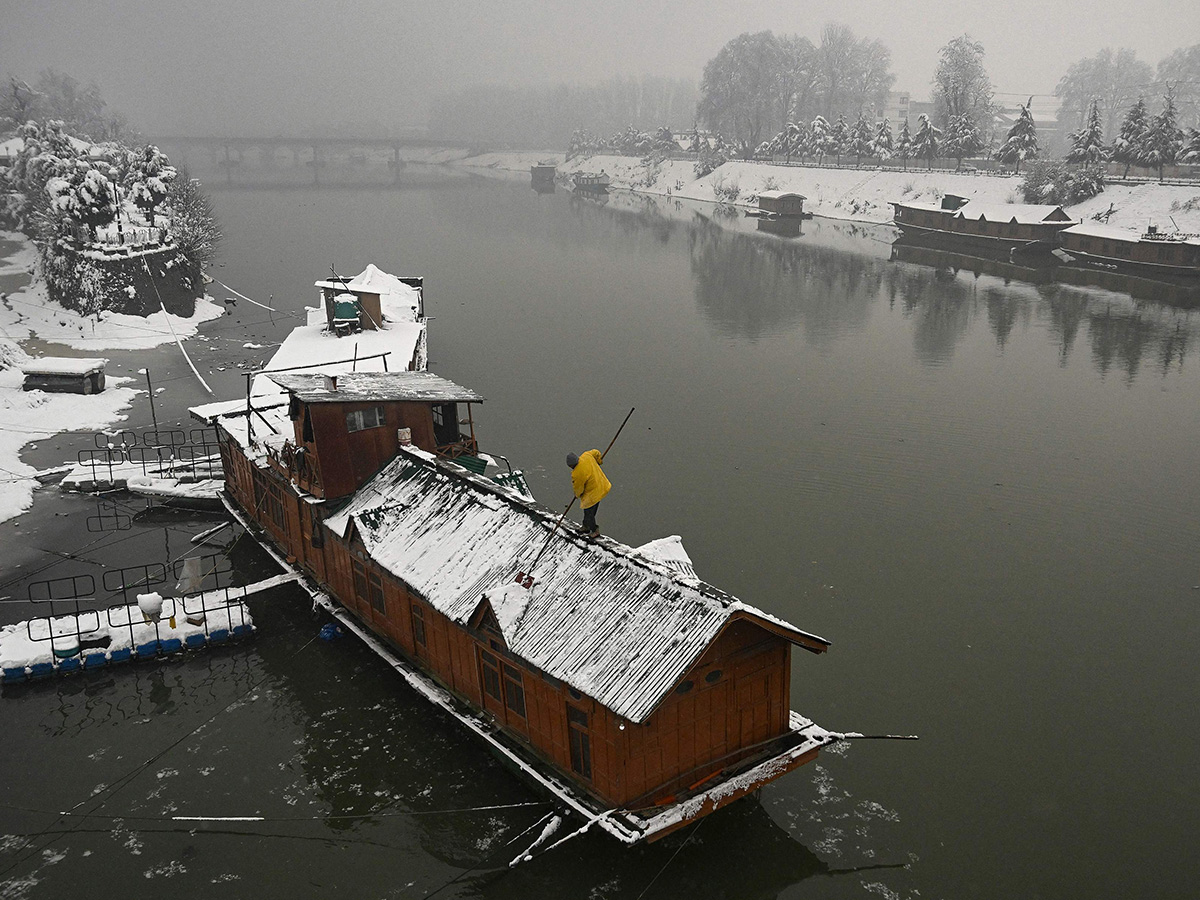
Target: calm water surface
x=978, y=482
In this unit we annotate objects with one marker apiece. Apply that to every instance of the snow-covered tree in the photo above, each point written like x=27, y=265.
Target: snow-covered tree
x=193, y=222
x=820, y=138
x=904, y=144
x=839, y=137
x=1164, y=139
x=1087, y=144
x=1191, y=147
x=148, y=179
x=927, y=140
x=1021, y=142
x=81, y=195
x=46, y=151
x=860, y=140
x=1129, y=145
x=962, y=138
x=882, y=145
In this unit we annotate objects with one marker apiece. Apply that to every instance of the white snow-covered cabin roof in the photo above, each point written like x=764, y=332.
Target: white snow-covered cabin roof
x=64, y=365
x=373, y=280
x=779, y=195
x=1020, y=213
x=611, y=622
x=360, y=387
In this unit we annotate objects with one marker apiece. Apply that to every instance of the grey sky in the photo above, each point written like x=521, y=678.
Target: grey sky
x=271, y=67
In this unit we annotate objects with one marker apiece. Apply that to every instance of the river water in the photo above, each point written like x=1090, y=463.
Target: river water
x=979, y=482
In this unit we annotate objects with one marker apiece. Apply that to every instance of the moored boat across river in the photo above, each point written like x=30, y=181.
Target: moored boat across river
x=614, y=677
x=1006, y=227
x=1153, y=252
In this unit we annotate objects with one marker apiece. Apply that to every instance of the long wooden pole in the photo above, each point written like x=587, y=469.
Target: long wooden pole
x=525, y=578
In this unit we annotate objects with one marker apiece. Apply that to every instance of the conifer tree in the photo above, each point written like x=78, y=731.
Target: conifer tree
x=840, y=137
x=927, y=140
x=904, y=145
x=1191, y=147
x=962, y=138
x=149, y=179
x=860, y=140
x=821, y=139
x=1022, y=142
x=1087, y=144
x=1129, y=145
x=1164, y=139
x=882, y=145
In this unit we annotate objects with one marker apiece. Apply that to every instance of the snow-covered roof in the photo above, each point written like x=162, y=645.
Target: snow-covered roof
x=1021, y=213
x=373, y=280
x=611, y=622
x=63, y=365
x=1113, y=233
x=778, y=195
x=356, y=387
x=210, y=412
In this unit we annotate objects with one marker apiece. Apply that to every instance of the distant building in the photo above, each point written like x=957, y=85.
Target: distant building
x=896, y=108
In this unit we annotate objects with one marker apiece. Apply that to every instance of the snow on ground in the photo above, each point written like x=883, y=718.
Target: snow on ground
x=28, y=416
x=31, y=416
x=861, y=195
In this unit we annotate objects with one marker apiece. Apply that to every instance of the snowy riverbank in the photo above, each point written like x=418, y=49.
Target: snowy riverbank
x=860, y=195
x=29, y=416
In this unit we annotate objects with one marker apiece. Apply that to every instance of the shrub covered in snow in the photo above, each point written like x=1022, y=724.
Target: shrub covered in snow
x=1057, y=182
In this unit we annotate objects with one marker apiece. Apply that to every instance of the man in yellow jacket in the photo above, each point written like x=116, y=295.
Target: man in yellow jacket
x=590, y=484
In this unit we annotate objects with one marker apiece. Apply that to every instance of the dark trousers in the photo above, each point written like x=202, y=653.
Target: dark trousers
x=589, y=518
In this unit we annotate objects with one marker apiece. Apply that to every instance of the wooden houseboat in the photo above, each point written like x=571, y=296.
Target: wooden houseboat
x=542, y=173
x=1151, y=253
x=613, y=677
x=1007, y=227
x=782, y=204
x=588, y=181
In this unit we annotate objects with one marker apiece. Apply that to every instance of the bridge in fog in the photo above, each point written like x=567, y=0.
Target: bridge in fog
x=231, y=153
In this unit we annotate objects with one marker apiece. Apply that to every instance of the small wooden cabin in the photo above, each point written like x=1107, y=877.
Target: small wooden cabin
x=781, y=203
x=64, y=375
x=356, y=304
x=346, y=427
x=619, y=673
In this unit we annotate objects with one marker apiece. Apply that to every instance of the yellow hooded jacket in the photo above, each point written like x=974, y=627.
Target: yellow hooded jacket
x=590, y=483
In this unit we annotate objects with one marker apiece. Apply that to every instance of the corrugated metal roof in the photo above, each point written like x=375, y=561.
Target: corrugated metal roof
x=356, y=387
x=617, y=626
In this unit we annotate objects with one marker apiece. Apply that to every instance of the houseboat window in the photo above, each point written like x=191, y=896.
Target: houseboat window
x=361, y=419
x=418, y=624
x=514, y=690
x=375, y=592
x=360, y=579
x=306, y=431
x=491, y=675
x=713, y=677
x=580, y=741
x=575, y=695
x=684, y=687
